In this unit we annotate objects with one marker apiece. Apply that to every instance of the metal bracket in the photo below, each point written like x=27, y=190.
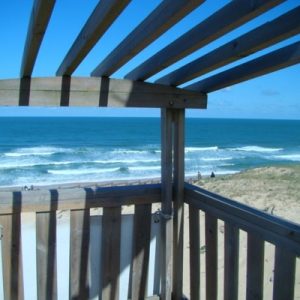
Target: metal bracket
x=159, y=214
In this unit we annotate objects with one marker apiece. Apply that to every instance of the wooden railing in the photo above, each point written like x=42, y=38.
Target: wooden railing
x=109, y=227
x=260, y=227
x=103, y=243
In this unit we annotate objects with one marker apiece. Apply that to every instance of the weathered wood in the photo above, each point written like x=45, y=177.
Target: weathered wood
x=276, y=60
x=104, y=92
x=140, y=250
x=102, y=17
x=78, y=198
x=224, y=20
x=12, y=257
x=231, y=262
x=40, y=16
x=111, y=242
x=178, y=116
x=194, y=253
x=46, y=255
x=211, y=250
x=284, y=274
x=167, y=197
x=255, y=268
x=160, y=20
x=79, y=253
x=270, y=228
x=257, y=39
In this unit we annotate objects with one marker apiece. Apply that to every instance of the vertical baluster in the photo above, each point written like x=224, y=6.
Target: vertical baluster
x=79, y=251
x=284, y=274
x=255, y=267
x=211, y=238
x=231, y=266
x=46, y=255
x=194, y=252
x=111, y=242
x=140, y=250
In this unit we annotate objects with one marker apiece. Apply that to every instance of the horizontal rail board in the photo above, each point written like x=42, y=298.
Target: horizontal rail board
x=78, y=198
x=95, y=92
x=273, y=229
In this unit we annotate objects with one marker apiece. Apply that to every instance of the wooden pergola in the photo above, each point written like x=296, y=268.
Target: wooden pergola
x=102, y=90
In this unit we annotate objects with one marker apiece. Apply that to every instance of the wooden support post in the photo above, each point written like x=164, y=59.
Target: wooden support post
x=178, y=118
x=172, y=161
x=166, y=220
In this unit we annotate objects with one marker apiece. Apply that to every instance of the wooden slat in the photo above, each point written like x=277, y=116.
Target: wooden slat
x=264, y=36
x=179, y=139
x=270, y=228
x=211, y=240
x=76, y=198
x=102, y=17
x=12, y=257
x=97, y=92
x=255, y=268
x=167, y=197
x=194, y=253
x=140, y=251
x=284, y=275
x=111, y=242
x=231, y=262
x=46, y=255
x=276, y=60
x=160, y=20
x=40, y=16
x=79, y=251
x=224, y=20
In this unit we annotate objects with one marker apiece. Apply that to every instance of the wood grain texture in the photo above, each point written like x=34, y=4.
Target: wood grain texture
x=168, y=13
x=104, y=14
x=12, y=257
x=78, y=198
x=79, y=254
x=273, y=61
x=97, y=92
x=255, y=268
x=270, y=228
x=40, y=16
x=178, y=223
x=194, y=224
x=111, y=242
x=284, y=274
x=224, y=20
x=46, y=255
x=140, y=251
x=231, y=262
x=211, y=250
x=257, y=39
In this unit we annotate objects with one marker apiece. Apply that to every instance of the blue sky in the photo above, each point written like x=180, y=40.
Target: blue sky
x=276, y=95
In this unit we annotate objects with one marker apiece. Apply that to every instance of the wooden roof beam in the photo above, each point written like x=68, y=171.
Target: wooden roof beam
x=40, y=16
x=168, y=13
x=102, y=17
x=264, y=36
x=224, y=20
x=276, y=60
x=95, y=92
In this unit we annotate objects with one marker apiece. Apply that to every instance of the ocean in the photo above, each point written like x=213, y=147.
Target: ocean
x=49, y=150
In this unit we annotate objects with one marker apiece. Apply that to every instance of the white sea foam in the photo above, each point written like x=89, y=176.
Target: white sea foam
x=292, y=157
x=216, y=158
x=198, y=149
x=82, y=171
x=36, y=151
x=256, y=149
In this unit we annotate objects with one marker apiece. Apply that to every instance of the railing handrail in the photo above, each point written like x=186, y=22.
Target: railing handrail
x=271, y=228
x=78, y=198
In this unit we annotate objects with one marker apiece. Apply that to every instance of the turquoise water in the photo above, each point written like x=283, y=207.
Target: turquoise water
x=38, y=151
